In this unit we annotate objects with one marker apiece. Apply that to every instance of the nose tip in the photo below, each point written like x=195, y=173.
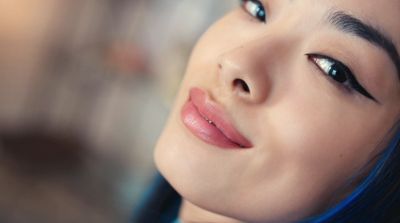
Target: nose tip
x=243, y=77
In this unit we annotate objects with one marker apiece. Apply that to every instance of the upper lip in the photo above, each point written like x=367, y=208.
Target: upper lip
x=214, y=113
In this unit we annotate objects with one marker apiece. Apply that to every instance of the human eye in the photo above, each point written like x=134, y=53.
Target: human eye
x=340, y=73
x=255, y=8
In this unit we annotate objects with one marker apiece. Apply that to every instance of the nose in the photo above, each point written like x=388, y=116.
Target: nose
x=248, y=70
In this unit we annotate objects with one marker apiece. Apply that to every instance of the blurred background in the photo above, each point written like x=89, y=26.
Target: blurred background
x=85, y=88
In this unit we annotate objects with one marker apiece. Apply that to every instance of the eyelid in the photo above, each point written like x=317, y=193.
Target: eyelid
x=261, y=3
x=355, y=84
x=314, y=56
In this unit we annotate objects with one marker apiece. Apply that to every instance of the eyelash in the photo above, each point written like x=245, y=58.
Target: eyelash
x=255, y=8
x=339, y=73
x=334, y=69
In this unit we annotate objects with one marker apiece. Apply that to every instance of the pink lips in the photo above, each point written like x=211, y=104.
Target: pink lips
x=208, y=121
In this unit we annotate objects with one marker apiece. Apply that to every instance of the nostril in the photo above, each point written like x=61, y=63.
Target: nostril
x=241, y=84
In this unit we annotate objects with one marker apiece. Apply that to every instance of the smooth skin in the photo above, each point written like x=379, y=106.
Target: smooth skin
x=313, y=137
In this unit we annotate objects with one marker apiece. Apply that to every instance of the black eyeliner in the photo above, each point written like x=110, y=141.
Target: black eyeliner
x=354, y=83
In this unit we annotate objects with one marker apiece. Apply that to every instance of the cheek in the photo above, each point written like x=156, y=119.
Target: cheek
x=306, y=150
x=320, y=137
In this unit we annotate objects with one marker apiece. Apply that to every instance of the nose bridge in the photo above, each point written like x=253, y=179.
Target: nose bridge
x=253, y=54
x=249, y=67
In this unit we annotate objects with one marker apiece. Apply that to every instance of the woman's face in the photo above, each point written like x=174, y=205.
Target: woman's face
x=275, y=117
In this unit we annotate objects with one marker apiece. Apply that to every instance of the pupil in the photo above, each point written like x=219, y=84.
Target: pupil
x=260, y=13
x=337, y=74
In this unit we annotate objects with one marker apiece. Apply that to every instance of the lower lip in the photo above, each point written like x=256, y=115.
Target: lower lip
x=201, y=128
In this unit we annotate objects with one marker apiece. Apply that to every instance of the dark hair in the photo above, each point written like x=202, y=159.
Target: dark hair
x=377, y=198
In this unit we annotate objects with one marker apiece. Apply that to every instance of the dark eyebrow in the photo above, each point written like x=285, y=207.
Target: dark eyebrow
x=350, y=24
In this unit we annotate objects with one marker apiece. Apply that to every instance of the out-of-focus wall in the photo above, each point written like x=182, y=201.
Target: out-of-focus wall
x=85, y=88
